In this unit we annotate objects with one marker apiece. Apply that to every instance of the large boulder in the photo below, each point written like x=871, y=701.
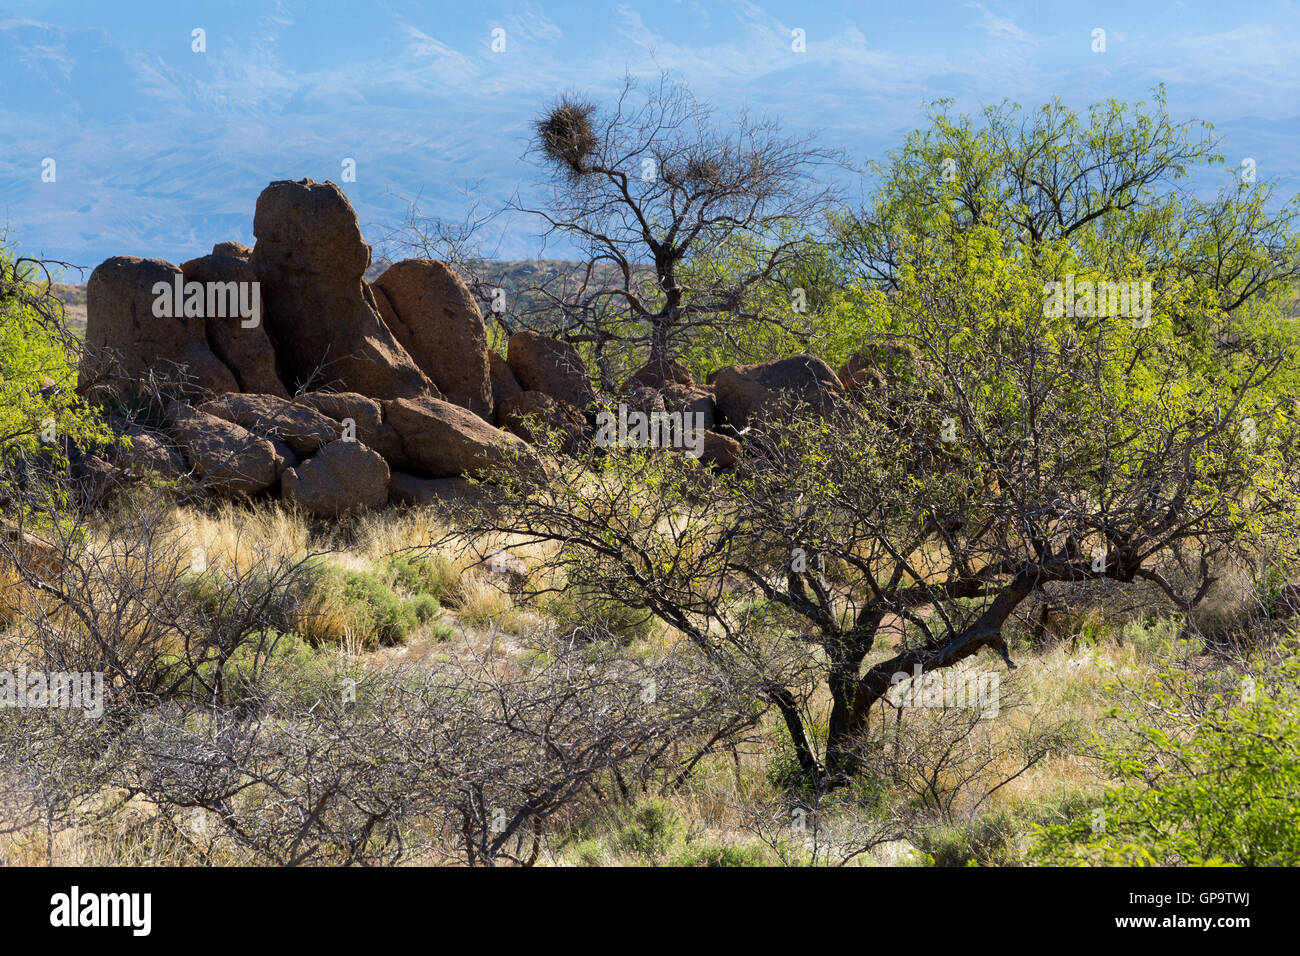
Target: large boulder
x=242, y=344
x=719, y=451
x=643, y=399
x=145, y=450
x=231, y=248
x=310, y=258
x=362, y=419
x=434, y=316
x=504, y=383
x=696, y=400
x=343, y=476
x=442, y=439
x=228, y=457
x=530, y=415
x=125, y=339
x=93, y=480
x=882, y=370
x=658, y=373
x=300, y=426
x=747, y=393
x=543, y=364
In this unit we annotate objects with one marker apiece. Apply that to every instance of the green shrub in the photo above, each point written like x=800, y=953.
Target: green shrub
x=581, y=607
x=1219, y=788
x=426, y=608
x=441, y=631
x=713, y=854
x=588, y=853
x=989, y=840
x=648, y=828
x=360, y=604
x=260, y=662
x=431, y=574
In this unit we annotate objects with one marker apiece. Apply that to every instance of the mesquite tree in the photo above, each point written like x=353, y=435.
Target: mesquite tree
x=1012, y=448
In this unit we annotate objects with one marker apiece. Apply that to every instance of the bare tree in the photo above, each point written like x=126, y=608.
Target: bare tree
x=682, y=223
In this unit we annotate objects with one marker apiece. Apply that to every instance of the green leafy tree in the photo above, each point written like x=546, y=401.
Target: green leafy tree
x=1007, y=446
x=39, y=407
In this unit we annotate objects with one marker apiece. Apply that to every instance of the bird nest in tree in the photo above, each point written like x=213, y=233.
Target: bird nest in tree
x=567, y=135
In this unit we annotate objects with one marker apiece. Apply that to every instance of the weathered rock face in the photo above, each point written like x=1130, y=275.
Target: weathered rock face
x=229, y=458
x=720, y=451
x=301, y=427
x=504, y=383
x=93, y=480
x=528, y=412
x=548, y=365
x=658, y=374
x=244, y=348
x=407, y=489
x=443, y=439
x=310, y=257
x=343, y=476
x=694, y=399
x=235, y=249
x=150, y=451
x=747, y=392
x=125, y=339
x=366, y=416
x=437, y=321
x=644, y=399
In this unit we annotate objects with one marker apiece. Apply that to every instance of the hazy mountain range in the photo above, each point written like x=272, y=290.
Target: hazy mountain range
x=161, y=150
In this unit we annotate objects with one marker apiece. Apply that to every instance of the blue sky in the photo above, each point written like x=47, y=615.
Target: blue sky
x=162, y=151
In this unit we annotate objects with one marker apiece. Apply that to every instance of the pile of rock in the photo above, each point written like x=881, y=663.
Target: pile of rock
x=292, y=374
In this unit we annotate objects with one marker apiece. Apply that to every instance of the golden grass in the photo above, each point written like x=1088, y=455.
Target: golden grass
x=1066, y=683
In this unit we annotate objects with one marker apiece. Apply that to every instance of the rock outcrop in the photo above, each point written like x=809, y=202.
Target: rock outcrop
x=325, y=325
x=127, y=339
x=408, y=489
x=435, y=318
x=300, y=426
x=658, y=374
x=747, y=393
x=696, y=400
x=444, y=440
x=504, y=384
x=360, y=417
x=548, y=365
x=141, y=450
x=530, y=415
x=343, y=476
x=342, y=394
x=240, y=342
x=228, y=457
